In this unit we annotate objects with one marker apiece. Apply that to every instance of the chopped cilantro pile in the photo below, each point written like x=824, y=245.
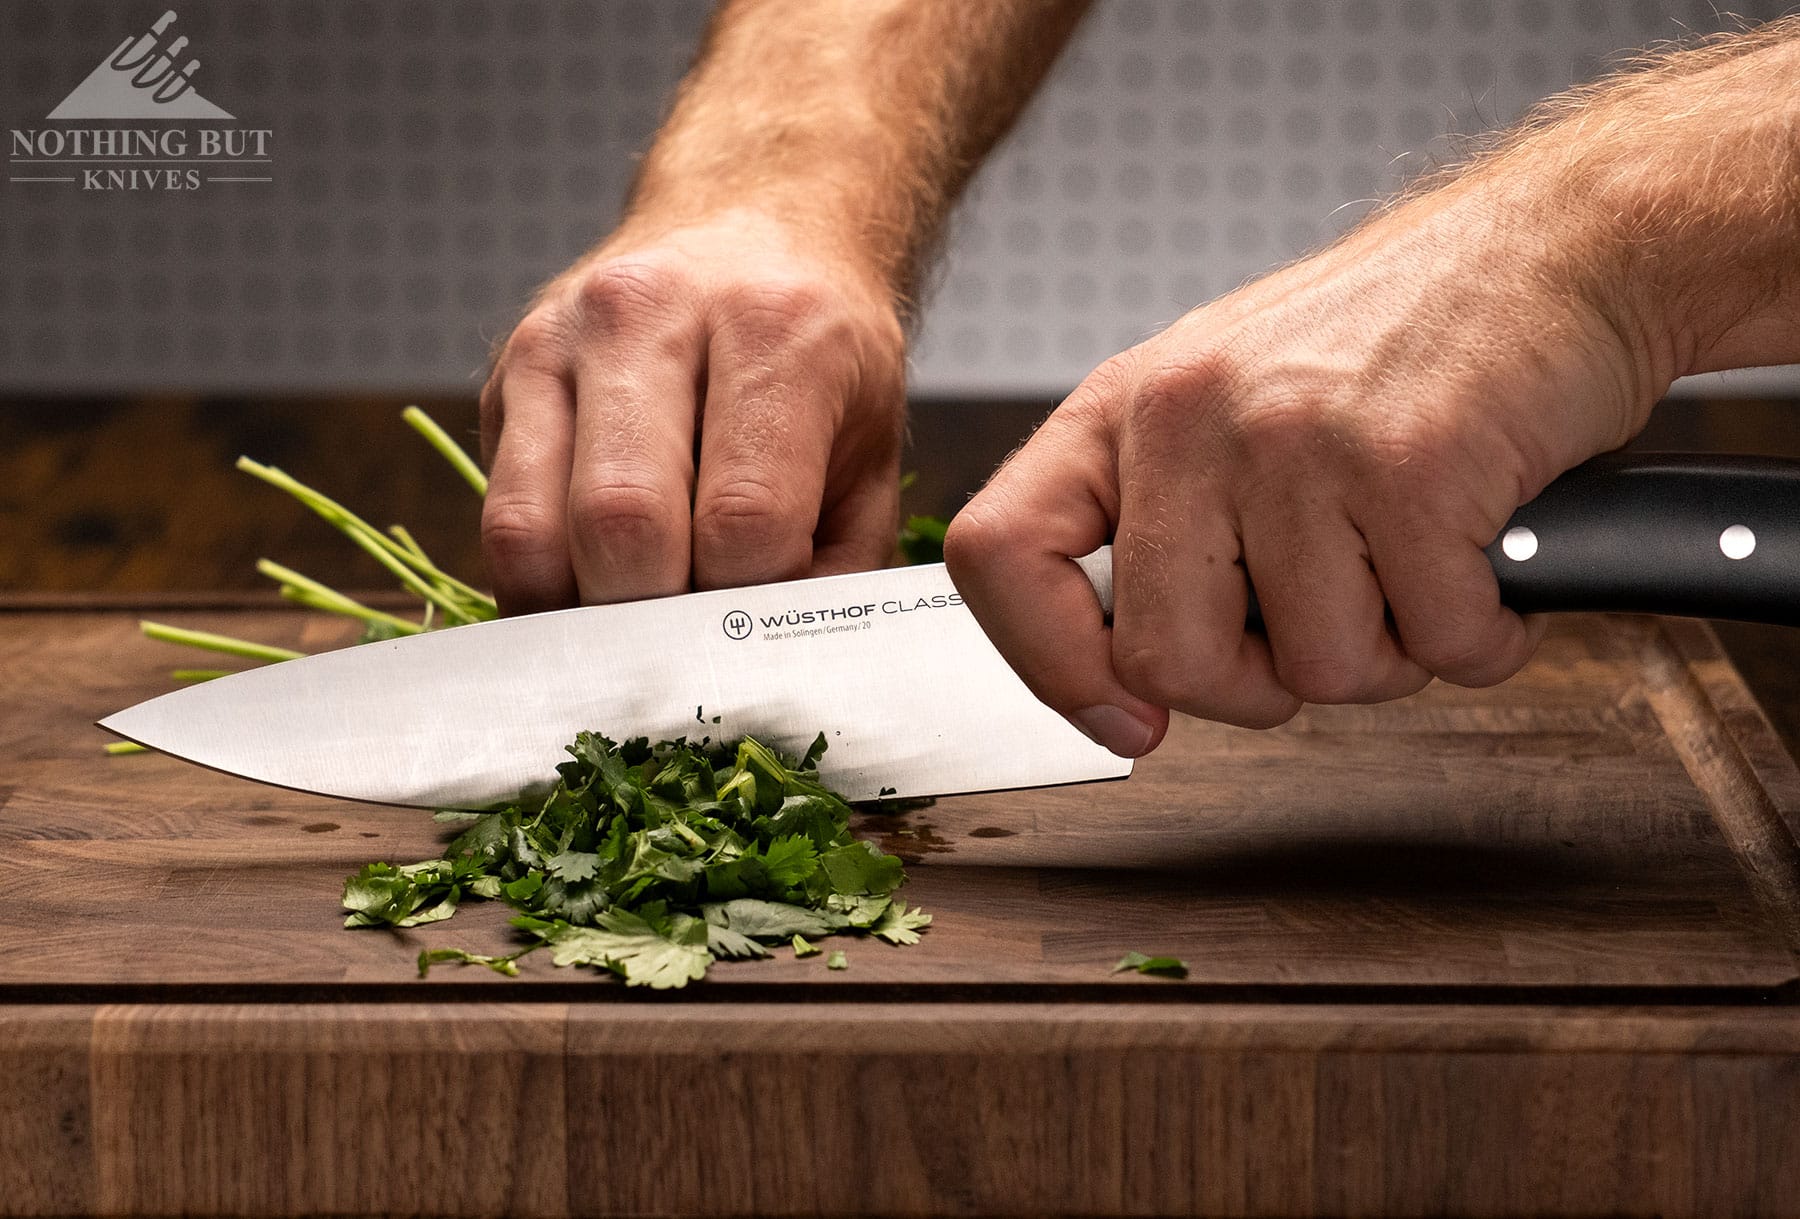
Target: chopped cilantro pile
x=652, y=862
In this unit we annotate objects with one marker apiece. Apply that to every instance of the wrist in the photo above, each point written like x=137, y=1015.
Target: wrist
x=784, y=220
x=1685, y=189
x=1539, y=269
x=829, y=190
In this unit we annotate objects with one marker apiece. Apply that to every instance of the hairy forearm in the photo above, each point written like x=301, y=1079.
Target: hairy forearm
x=1681, y=180
x=857, y=121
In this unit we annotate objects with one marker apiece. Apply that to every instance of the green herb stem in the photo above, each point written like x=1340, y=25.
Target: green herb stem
x=309, y=592
x=194, y=675
x=451, y=452
x=407, y=540
x=118, y=747
x=216, y=643
x=383, y=549
x=479, y=603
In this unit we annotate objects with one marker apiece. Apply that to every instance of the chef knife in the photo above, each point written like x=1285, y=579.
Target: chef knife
x=912, y=697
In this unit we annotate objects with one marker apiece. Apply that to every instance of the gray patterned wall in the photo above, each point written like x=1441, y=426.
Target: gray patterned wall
x=434, y=160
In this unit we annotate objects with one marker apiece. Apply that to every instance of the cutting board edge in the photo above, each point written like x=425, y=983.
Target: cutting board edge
x=972, y=1108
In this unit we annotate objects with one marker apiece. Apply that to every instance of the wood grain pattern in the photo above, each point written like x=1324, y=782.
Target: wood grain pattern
x=1479, y=952
x=978, y=1109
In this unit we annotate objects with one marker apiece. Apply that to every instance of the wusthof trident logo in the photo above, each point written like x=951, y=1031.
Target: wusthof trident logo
x=148, y=78
x=737, y=625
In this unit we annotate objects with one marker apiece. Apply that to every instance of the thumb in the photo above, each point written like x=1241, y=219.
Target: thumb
x=1010, y=553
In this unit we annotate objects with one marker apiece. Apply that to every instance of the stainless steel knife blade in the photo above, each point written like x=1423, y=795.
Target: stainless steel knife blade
x=911, y=696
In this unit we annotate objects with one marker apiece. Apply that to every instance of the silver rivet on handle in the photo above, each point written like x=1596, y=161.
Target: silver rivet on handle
x=1519, y=544
x=1737, y=542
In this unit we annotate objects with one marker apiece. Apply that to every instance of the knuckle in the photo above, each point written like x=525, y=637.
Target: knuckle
x=800, y=323
x=1157, y=676
x=1105, y=392
x=978, y=536
x=1479, y=668
x=783, y=302
x=1404, y=476
x=537, y=340
x=1114, y=377
x=1464, y=658
x=618, y=289
x=1284, y=429
x=1406, y=451
x=1319, y=678
x=1189, y=683
x=1172, y=393
x=1141, y=671
x=627, y=515
x=745, y=517
x=515, y=530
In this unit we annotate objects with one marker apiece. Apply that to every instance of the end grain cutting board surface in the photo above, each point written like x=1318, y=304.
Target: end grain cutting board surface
x=1617, y=816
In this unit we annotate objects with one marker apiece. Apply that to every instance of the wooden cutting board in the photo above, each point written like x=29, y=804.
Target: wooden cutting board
x=1528, y=948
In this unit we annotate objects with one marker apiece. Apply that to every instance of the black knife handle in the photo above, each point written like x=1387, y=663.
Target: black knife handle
x=1704, y=536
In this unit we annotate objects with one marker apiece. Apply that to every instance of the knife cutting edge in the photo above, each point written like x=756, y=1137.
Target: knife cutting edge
x=890, y=665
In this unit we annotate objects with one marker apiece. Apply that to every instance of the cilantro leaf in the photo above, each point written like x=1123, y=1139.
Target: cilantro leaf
x=771, y=920
x=790, y=860
x=486, y=839
x=524, y=888
x=1162, y=967
x=630, y=947
x=805, y=948
x=898, y=925
x=382, y=895
x=860, y=911
x=727, y=944
x=578, y=903
x=837, y=960
x=437, y=913
x=573, y=865
x=859, y=867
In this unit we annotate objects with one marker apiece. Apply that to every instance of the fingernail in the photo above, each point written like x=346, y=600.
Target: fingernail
x=1117, y=729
